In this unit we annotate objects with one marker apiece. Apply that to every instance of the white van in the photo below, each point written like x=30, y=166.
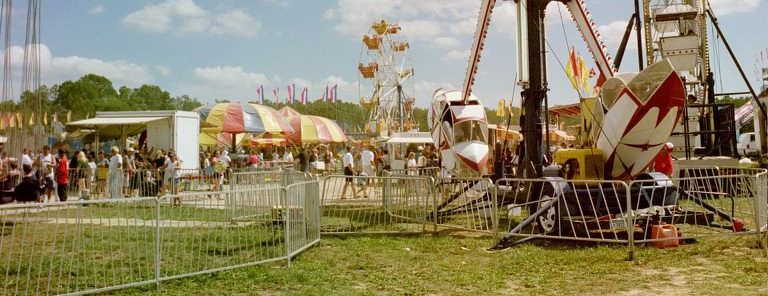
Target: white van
x=747, y=144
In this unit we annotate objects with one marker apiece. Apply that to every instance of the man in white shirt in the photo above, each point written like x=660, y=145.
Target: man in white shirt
x=45, y=164
x=25, y=158
x=288, y=156
x=348, y=162
x=115, y=173
x=366, y=161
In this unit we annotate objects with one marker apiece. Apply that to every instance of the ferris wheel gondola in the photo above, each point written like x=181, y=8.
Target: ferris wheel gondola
x=384, y=61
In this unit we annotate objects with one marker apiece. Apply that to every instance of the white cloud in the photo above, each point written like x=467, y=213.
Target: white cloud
x=120, y=72
x=429, y=20
x=434, y=21
x=455, y=55
x=229, y=77
x=724, y=7
x=421, y=29
x=57, y=69
x=447, y=42
x=185, y=17
x=98, y=9
x=612, y=34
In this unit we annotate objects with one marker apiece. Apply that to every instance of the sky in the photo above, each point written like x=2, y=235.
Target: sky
x=225, y=49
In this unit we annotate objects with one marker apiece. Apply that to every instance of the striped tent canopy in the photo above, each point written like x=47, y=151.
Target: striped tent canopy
x=288, y=112
x=315, y=129
x=269, y=140
x=209, y=138
x=236, y=118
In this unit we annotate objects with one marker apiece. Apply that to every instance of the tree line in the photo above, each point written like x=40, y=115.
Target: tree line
x=91, y=93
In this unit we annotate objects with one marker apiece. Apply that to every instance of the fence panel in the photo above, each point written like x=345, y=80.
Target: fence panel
x=256, y=179
x=723, y=202
x=76, y=246
x=366, y=204
x=466, y=203
x=301, y=216
x=561, y=209
x=200, y=234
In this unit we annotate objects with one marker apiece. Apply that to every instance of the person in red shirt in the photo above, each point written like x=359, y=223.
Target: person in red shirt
x=663, y=161
x=62, y=176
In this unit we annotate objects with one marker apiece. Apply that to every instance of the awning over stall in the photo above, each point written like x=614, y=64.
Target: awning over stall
x=411, y=138
x=114, y=127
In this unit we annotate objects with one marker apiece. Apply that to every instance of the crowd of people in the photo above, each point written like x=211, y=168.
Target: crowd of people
x=44, y=176
x=49, y=176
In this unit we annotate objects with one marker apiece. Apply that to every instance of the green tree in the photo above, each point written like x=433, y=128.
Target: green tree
x=84, y=96
x=150, y=97
x=185, y=103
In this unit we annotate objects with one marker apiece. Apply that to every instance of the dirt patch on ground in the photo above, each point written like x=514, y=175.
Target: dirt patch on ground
x=677, y=281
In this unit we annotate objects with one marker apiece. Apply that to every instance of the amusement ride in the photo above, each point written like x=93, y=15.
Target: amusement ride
x=384, y=62
x=632, y=117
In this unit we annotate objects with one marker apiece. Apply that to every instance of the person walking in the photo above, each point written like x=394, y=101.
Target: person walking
x=348, y=162
x=62, y=176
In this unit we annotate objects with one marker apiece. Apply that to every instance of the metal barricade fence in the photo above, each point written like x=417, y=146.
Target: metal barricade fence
x=90, y=246
x=198, y=236
x=77, y=246
x=562, y=209
x=366, y=204
x=730, y=202
x=465, y=203
x=256, y=179
x=301, y=213
x=433, y=172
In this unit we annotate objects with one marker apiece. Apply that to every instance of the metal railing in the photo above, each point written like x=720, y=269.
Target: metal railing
x=368, y=204
x=563, y=209
x=723, y=202
x=90, y=246
x=653, y=209
x=466, y=204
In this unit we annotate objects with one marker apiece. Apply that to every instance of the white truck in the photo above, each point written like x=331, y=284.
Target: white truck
x=747, y=145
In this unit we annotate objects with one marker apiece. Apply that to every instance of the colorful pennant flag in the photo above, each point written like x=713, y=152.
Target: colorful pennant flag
x=501, y=108
x=579, y=74
x=304, y=95
x=32, y=119
x=45, y=118
x=325, y=94
x=289, y=96
x=276, y=91
x=333, y=93
x=260, y=94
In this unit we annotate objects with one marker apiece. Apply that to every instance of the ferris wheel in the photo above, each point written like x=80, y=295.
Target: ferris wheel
x=384, y=61
x=677, y=30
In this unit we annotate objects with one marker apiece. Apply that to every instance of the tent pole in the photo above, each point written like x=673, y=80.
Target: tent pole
x=234, y=143
x=123, y=137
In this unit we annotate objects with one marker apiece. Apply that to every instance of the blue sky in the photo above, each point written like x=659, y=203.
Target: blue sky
x=225, y=49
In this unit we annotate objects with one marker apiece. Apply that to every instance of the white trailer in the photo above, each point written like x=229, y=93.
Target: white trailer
x=168, y=130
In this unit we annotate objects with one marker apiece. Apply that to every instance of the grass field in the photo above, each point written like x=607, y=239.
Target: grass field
x=450, y=265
